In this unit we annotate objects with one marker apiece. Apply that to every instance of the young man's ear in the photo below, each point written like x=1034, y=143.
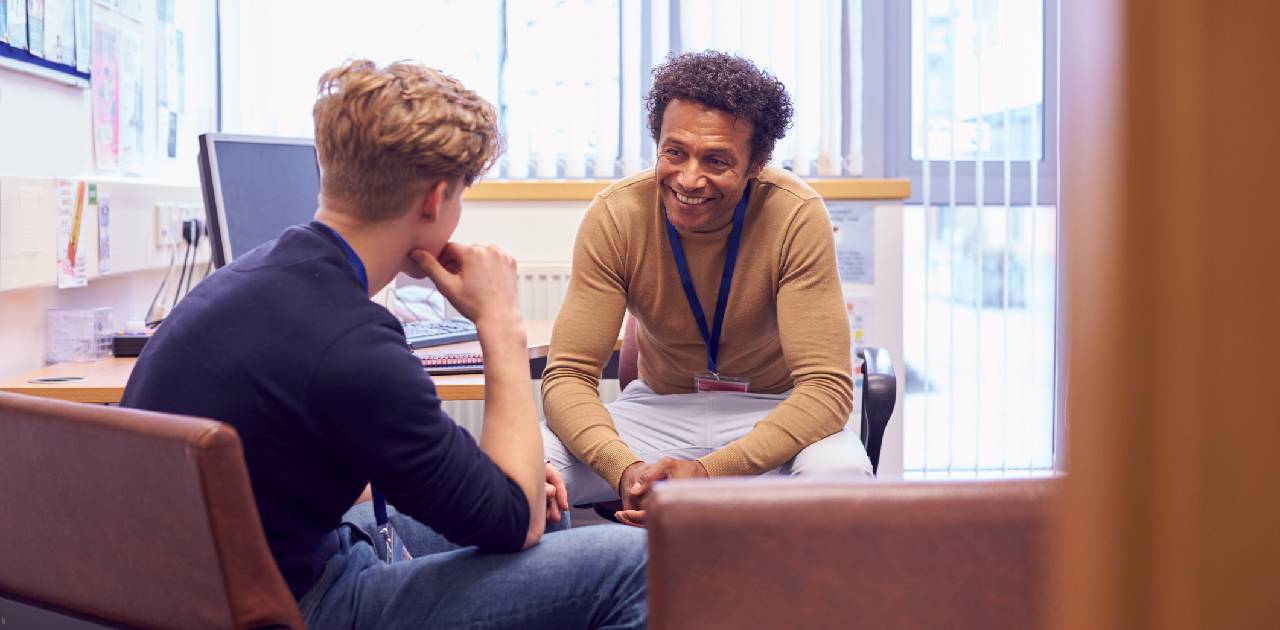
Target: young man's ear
x=436, y=195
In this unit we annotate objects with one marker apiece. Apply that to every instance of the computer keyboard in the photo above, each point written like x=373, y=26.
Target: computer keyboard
x=427, y=334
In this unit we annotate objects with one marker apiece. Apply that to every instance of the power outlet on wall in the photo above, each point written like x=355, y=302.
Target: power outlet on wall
x=168, y=222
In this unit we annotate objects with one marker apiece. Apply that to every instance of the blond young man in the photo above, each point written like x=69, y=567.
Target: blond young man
x=285, y=345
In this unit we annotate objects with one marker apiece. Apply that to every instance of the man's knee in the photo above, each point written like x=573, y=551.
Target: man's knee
x=609, y=560
x=583, y=484
x=610, y=545
x=554, y=451
x=841, y=454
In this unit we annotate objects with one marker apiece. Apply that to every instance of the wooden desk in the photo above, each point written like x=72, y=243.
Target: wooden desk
x=104, y=380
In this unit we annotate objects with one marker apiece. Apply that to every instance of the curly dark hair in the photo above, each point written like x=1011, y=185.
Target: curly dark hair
x=730, y=84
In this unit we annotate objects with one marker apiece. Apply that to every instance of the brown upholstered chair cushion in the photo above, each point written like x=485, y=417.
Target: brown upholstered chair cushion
x=764, y=553
x=133, y=518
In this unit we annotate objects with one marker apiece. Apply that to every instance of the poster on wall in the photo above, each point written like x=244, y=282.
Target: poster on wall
x=35, y=27
x=66, y=29
x=169, y=80
x=72, y=271
x=104, y=227
x=84, y=28
x=171, y=135
x=104, y=82
x=60, y=31
x=17, y=23
x=131, y=128
x=52, y=20
x=176, y=82
x=855, y=230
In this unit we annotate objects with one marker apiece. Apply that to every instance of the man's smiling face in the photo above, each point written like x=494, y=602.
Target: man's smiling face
x=704, y=162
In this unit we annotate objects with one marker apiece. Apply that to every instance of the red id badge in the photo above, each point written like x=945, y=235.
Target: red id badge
x=712, y=382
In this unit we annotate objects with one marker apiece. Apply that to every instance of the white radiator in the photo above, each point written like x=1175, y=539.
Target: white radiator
x=542, y=288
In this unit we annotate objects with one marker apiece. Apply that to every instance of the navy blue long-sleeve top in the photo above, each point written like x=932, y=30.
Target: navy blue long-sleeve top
x=285, y=345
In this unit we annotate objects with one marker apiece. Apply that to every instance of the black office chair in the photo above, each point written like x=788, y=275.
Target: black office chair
x=879, y=395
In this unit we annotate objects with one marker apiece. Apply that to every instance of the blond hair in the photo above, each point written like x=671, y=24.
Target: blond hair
x=386, y=135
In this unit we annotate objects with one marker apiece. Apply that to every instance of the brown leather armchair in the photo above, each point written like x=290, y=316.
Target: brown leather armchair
x=775, y=553
x=125, y=517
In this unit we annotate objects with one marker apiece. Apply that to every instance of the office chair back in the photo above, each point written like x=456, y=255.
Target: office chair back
x=128, y=517
x=879, y=396
x=879, y=387
x=628, y=354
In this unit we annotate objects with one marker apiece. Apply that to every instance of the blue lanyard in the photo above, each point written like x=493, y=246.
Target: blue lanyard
x=711, y=337
x=379, y=501
x=356, y=264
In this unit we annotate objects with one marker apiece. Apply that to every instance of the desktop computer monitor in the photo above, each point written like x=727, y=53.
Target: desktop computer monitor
x=255, y=187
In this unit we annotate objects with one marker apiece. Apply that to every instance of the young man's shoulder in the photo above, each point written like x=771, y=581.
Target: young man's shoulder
x=295, y=292
x=301, y=274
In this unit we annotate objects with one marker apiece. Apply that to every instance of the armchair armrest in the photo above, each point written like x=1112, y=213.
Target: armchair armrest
x=879, y=395
x=761, y=553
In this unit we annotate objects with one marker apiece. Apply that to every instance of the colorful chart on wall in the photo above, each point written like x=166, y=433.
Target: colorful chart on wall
x=105, y=84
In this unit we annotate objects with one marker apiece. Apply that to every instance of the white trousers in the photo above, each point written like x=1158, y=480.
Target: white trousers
x=688, y=426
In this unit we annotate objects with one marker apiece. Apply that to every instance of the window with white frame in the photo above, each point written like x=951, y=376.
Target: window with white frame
x=567, y=76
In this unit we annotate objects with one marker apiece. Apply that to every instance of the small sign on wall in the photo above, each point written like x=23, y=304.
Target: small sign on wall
x=854, y=224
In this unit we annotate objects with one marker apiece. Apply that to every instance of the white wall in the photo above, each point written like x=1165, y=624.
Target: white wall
x=534, y=232
x=44, y=127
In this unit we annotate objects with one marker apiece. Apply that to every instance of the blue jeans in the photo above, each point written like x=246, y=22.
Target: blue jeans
x=590, y=577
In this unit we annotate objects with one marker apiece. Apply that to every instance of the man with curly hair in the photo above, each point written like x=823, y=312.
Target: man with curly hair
x=728, y=267
x=285, y=345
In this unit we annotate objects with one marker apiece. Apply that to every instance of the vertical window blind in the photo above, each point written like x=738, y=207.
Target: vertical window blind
x=980, y=277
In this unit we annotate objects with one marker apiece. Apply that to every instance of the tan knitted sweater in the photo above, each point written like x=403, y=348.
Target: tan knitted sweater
x=785, y=325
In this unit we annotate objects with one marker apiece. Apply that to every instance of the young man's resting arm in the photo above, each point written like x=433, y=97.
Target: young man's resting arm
x=584, y=336
x=480, y=283
x=510, y=435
